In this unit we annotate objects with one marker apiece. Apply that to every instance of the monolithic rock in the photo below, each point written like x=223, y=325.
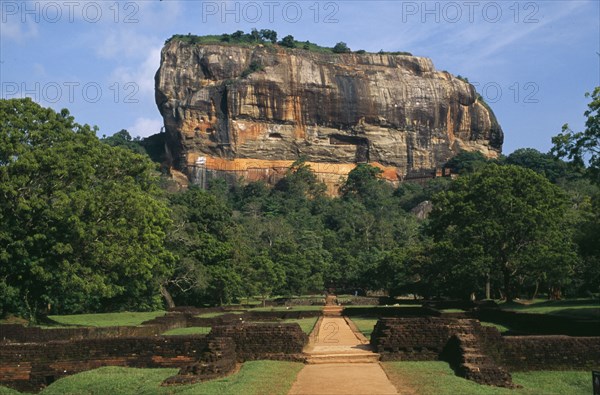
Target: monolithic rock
x=251, y=111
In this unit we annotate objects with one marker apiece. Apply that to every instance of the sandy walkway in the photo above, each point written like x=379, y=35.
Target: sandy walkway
x=340, y=363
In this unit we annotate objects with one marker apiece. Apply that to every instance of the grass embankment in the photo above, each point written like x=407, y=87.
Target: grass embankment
x=256, y=377
x=364, y=324
x=288, y=308
x=218, y=314
x=381, y=307
x=306, y=324
x=192, y=330
x=574, y=308
x=501, y=328
x=107, y=319
x=439, y=379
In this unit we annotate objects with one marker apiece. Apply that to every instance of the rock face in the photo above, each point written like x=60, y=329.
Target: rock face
x=240, y=111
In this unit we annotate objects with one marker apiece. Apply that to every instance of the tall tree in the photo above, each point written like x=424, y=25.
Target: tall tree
x=82, y=223
x=546, y=164
x=502, y=221
x=201, y=240
x=585, y=145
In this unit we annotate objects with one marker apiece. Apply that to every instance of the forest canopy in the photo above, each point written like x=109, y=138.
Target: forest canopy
x=89, y=225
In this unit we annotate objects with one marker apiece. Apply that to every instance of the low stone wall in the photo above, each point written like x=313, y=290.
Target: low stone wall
x=281, y=315
x=464, y=343
x=413, y=339
x=31, y=358
x=390, y=312
x=30, y=366
x=318, y=301
x=480, y=353
x=539, y=324
x=524, y=353
x=218, y=360
x=265, y=341
x=14, y=333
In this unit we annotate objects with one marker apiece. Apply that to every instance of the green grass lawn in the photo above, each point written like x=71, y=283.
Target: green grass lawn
x=306, y=324
x=291, y=308
x=574, y=308
x=192, y=330
x=501, y=328
x=218, y=314
x=381, y=307
x=256, y=377
x=107, y=319
x=364, y=324
x=437, y=378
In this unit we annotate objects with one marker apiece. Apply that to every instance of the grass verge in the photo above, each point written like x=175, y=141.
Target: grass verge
x=192, y=330
x=364, y=324
x=256, y=377
x=501, y=328
x=438, y=378
x=306, y=324
x=125, y=318
x=218, y=314
x=572, y=308
x=291, y=308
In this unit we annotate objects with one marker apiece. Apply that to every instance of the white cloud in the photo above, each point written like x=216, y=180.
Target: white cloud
x=142, y=75
x=144, y=127
x=124, y=44
x=14, y=29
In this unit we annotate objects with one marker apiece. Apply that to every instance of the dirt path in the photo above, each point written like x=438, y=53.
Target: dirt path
x=340, y=362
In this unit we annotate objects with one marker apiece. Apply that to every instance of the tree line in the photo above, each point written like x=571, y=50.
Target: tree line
x=90, y=225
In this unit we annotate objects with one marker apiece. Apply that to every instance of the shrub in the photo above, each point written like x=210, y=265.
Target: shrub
x=341, y=47
x=288, y=41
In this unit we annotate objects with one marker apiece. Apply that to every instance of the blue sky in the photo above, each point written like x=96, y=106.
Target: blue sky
x=531, y=60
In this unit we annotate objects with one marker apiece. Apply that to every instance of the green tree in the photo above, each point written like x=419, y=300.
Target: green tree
x=547, y=165
x=82, y=223
x=123, y=139
x=341, y=47
x=269, y=35
x=582, y=146
x=288, y=41
x=466, y=162
x=365, y=184
x=586, y=225
x=201, y=238
x=266, y=276
x=502, y=221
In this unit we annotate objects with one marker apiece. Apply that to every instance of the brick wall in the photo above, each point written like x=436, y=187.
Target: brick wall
x=218, y=359
x=480, y=353
x=539, y=324
x=41, y=359
x=523, y=353
x=281, y=315
x=265, y=341
x=391, y=312
x=21, y=334
x=415, y=338
x=30, y=366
